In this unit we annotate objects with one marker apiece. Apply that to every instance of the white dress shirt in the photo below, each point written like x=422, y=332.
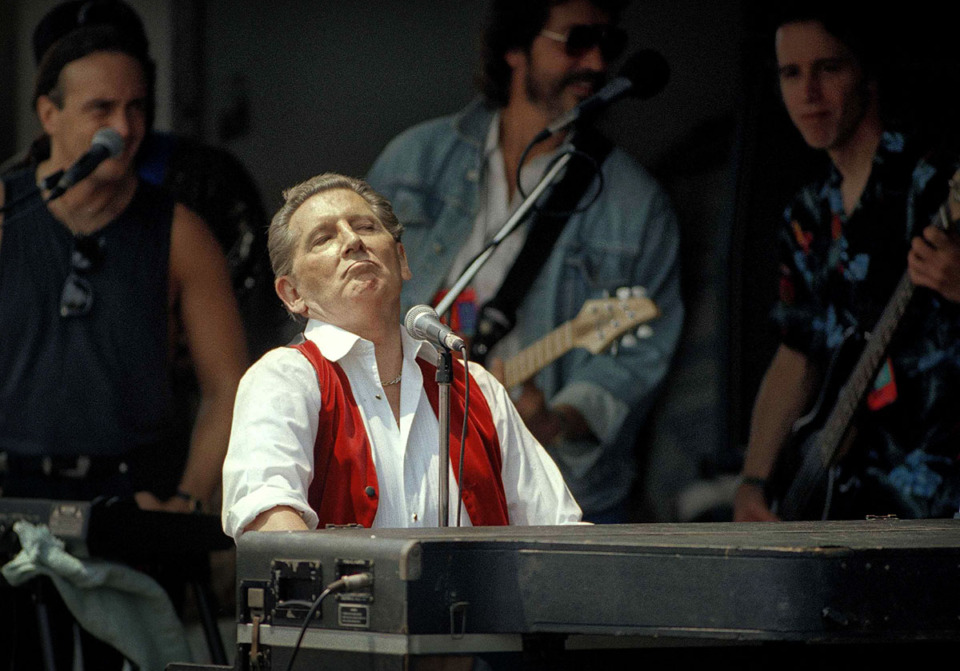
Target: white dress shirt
x=270, y=459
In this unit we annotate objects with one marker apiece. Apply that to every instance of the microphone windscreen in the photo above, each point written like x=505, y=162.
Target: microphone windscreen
x=410, y=323
x=110, y=139
x=648, y=71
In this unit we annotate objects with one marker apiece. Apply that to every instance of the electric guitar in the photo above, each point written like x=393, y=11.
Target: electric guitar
x=598, y=324
x=798, y=487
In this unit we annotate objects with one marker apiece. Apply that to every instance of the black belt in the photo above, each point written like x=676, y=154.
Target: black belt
x=71, y=467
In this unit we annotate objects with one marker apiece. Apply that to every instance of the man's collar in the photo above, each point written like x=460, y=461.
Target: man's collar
x=473, y=122
x=492, y=142
x=335, y=343
x=892, y=143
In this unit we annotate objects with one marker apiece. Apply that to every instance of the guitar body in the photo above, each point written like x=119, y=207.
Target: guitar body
x=797, y=486
x=823, y=471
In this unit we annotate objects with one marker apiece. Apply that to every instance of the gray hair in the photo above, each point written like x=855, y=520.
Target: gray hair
x=281, y=240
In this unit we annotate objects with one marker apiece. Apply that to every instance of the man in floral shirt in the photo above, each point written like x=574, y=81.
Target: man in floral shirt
x=847, y=241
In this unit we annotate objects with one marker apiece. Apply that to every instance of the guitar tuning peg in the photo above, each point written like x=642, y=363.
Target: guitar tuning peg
x=638, y=292
x=623, y=293
x=629, y=340
x=644, y=331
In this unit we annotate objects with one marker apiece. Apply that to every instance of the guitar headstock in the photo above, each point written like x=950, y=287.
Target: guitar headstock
x=602, y=320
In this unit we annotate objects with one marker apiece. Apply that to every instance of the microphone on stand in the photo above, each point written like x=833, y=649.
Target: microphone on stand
x=644, y=75
x=423, y=323
x=106, y=143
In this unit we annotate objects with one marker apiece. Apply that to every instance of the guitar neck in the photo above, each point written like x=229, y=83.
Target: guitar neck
x=598, y=324
x=527, y=363
x=878, y=341
x=853, y=392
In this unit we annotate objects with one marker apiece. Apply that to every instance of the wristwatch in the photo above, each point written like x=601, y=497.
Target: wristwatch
x=194, y=502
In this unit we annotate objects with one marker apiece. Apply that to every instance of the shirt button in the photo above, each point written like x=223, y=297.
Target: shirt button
x=370, y=492
x=437, y=248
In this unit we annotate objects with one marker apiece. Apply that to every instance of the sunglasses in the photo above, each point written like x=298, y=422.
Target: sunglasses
x=584, y=37
x=76, y=299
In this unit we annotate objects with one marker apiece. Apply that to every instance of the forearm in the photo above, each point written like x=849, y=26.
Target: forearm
x=785, y=393
x=281, y=518
x=208, y=446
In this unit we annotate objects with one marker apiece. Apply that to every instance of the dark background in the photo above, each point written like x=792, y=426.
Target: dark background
x=297, y=87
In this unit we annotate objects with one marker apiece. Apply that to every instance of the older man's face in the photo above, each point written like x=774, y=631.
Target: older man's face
x=345, y=263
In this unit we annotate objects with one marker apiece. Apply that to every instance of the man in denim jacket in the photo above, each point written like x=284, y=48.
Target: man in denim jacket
x=451, y=181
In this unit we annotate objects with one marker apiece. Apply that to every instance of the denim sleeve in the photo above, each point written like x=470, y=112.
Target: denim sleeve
x=606, y=388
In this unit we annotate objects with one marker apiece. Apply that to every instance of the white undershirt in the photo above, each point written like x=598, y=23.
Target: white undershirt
x=495, y=208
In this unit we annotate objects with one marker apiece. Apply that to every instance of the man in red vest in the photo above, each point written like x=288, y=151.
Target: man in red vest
x=342, y=428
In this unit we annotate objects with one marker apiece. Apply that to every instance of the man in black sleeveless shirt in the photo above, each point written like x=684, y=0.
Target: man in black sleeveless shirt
x=94, y=289
x=91, y=80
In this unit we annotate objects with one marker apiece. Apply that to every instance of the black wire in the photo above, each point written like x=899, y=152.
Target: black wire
x=463, y=432
x=306, y=623
x=347, y=582
x=573, y=151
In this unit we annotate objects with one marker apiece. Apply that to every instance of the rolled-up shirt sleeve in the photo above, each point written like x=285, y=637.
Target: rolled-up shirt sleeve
x=269, y=461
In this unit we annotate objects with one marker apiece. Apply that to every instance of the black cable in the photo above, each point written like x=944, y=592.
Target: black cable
x=463, y=432
x=306, y=621
x=356, y=581
x=573, y=151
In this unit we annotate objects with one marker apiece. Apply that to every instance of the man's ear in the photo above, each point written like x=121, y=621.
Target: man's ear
x=515, y=58
x=287, y=291
x=47, y=112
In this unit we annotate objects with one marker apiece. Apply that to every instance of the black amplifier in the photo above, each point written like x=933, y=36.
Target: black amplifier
x=494, y=590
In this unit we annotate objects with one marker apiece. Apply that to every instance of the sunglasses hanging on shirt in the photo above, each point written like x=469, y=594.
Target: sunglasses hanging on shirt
x=76, y=299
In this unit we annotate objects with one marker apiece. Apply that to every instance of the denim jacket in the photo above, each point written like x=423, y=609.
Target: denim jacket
x=628, y=237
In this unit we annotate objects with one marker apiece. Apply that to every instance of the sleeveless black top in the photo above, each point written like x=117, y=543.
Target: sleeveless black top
x=96, y=384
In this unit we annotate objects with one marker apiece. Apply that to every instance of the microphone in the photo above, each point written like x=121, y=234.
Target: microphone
x=106, y=143
x=423, y=323
x=644, y=75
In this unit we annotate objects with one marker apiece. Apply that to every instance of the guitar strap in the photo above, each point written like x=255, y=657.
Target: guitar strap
x=498, y=315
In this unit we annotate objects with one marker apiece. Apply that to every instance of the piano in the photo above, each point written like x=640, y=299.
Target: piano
x=796, y=591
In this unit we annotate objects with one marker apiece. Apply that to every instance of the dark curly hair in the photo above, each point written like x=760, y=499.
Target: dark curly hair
x=512, y=24
x=850, y=22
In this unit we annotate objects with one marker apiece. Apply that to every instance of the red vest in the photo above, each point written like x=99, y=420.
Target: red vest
x=344, y=489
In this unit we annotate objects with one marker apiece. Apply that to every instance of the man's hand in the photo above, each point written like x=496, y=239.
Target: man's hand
x=542, y=422
x=934, y=262
x=749, y=505
x=546, y=424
